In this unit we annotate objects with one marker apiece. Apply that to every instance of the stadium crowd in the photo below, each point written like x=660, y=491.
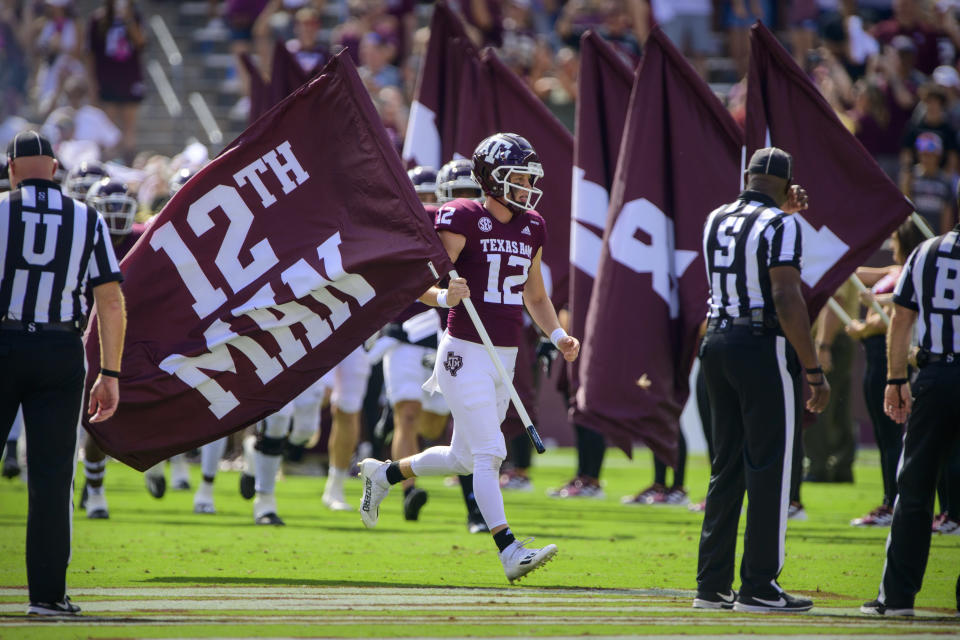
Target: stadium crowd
x=889, y=69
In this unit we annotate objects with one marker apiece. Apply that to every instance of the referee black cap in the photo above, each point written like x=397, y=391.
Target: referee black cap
x=771, y=161
x=29, y=143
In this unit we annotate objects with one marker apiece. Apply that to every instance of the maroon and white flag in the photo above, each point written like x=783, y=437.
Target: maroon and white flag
x=854, y=206
x=434, y=113
x=267, y=268
x=678, y=161
x=603, y=96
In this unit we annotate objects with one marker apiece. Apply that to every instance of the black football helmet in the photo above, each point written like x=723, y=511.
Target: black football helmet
x=179, y=179
x=424, y=181
x=82, y=177
x=501, y=156
x=455, y=180
x=113, y=200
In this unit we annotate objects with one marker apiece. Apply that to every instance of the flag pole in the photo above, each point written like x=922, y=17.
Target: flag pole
x=922, y=225
x=862, y=288
x=839, y=312
x=507, y=380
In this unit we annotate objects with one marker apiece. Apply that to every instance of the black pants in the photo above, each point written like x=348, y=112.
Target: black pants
x=932, y=430
x=44, y=372
x=754, y=388
x=889, y=434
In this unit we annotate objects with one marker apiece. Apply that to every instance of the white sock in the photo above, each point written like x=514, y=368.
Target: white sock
x=265, y=470
x=437, y=461
x=335, y=481
x=210, y=455
x=178, y=467
x=264, y=503
x=486, y=489
x=95, y=491
x=156, y=471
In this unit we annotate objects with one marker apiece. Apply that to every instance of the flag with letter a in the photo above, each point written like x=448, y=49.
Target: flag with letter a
x=854, y=206
x=678, y=161
x=603, y=95
x=265, y=270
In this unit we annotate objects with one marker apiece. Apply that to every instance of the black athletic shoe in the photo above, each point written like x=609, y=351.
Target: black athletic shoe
x=62, y=608
x=413, y=502
x=156, y=485
x=11, y=467
x=877, y=608
x=714, y=599
x=270, y=519
x=783, y=602
x=476, y=523
x=294, y=452
x=248, y=486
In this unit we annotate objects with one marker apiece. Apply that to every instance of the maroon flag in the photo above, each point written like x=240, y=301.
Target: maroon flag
x=854, y=206
x=604, y=84
x=678, y=161
x=278, y=259
x=519, y=110
x=286, y=74
x=261, y=98
x=432, y=125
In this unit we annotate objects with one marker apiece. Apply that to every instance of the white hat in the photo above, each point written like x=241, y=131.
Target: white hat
x=946, y=76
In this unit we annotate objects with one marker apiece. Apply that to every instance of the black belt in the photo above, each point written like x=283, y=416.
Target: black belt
x=39, y=327
x=928, y=358
x=769, y=326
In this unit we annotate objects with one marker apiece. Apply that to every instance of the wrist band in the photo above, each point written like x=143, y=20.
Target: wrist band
x=557, y=335
x=898, y=381
x=814, y=370
x=442, y=299
x=815, y=384
x=110, y=373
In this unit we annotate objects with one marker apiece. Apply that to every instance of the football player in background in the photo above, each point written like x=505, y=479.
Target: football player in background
x=497, y=248
x=114, y=201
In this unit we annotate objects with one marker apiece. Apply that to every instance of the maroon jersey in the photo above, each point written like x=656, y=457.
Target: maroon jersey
x=126, y=242
x=495, y=261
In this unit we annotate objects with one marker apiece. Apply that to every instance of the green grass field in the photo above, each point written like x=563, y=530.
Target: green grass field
x=155, y=569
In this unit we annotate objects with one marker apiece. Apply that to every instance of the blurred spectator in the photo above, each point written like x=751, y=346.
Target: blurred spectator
x=874, y=126
x=89, y=122
x=926, y=184
x=276, y=22
x=307, y=49
x=802, y=21
x=13, y=58
x=844, y=37
x=375, y=68
x=519, y=38
x=393, y=113
x=57, y=45
x=933, y=46
x=618, y=28
x=615, y=20
x=949, y=79
x=933, y=118
x=831, y=78
x=739, y=15
x=116, y=39
x=688, y=24
x=240, y=16
x=483, y=18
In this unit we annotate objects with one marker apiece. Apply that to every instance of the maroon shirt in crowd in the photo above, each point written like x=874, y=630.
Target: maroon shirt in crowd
x=495, y=261
x=116, y=60
x=926, y=38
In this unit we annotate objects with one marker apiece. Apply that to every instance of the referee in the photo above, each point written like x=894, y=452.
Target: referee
x=53, y=251
x=757, y=341
x=928, y=294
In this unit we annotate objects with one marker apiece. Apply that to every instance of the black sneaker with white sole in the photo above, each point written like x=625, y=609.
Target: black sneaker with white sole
x=248, y=486
x=783, y=602
x=714, y=599
x=62, y=608
x=413, y=502
x=877, y=608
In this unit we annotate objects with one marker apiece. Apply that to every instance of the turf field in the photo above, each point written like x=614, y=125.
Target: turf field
x=157, y=570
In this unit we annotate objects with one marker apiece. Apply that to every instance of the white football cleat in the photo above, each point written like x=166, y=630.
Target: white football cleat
x=335, y=503
x=518, y=560
x=97, y=506
x=203, y=499
x=375, y=489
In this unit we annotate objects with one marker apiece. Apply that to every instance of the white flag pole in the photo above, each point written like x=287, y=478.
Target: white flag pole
x=507, y=380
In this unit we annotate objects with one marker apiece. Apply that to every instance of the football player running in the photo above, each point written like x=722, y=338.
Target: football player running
x=497, y=246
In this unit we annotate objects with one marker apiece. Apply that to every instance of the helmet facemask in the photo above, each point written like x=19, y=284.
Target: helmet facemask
x=501, y=175
x=118, y=211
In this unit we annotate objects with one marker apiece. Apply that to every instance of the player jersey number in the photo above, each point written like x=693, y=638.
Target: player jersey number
x=445, y=215
x=508, y=296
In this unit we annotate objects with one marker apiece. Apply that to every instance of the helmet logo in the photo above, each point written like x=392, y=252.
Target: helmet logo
x=485, y=224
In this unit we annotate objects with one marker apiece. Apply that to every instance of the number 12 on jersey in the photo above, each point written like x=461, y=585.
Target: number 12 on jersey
x=508, y=296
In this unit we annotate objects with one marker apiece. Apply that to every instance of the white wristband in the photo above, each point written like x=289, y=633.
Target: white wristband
x=557, y=335
x=442, y=299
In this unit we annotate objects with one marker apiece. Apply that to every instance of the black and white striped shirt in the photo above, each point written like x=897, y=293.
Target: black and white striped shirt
x=930, y=285
x=741, y=242
x=52, y=249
